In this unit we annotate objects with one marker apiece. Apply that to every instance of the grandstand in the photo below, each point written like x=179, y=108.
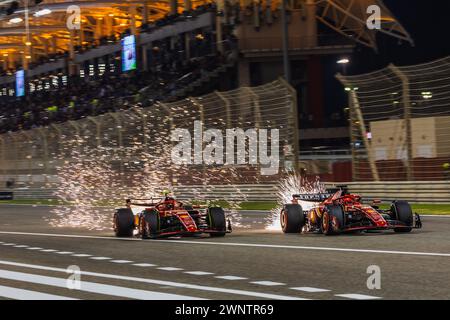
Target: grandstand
x=184, y=51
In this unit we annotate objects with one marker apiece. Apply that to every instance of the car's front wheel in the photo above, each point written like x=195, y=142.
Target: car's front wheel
x=216, y=221
x=333, y=220
x=401, y=211
x=149, y=224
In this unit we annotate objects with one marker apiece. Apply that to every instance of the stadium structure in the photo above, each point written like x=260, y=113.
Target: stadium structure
x=183, y=49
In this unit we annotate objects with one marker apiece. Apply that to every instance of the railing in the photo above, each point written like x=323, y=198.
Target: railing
x=414, y=192
x=295, y=42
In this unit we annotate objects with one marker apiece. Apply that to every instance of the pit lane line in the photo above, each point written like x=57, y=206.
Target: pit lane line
x=22, y=277
x=236, y=244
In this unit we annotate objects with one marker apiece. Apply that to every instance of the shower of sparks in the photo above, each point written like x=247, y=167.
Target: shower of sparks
x=292, y=184
x=99, y=172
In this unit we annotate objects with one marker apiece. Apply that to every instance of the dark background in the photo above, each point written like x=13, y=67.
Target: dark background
x=428, y=23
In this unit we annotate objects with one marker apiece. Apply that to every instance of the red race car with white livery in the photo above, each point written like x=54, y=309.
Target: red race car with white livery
x=150, y=218
x=338, y=211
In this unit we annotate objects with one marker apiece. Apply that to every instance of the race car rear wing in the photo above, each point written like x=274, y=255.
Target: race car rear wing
x=143, y=202
x=312, y=197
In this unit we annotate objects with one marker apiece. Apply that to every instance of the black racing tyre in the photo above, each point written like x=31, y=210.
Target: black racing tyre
x=149, y=224
x=123, y=222
x=333, y=220
x=401, y=211
x=215, y=218
x=292, y=218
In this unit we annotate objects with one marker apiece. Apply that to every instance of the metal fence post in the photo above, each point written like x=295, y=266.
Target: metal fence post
x=3, y=152
x=227, y=107
x=45, y=147
x=406, y=98
x=16, y=154
x=97, y=130
x=116, y=117
x=362, y=128
x=295, y=124
x=29, y=155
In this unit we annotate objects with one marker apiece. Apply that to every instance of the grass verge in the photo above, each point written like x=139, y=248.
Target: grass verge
x=420, y=208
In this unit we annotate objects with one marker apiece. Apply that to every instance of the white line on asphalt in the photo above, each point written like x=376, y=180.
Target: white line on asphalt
x=198, y=273
x=34, y=248
x=48, y=250
x=21, y=246
x=434, y=216
x=237, y=244
x=81, y=255
x=93, y=287
x=64, y=252
x=100, y=258
x=20, y=294
x=357, y=296
x=232, y=278
x=121, y=261
x=309, y=289
x=159, y=282
x=268, y=283
x=143, y=265
x=169, y=269
x=8, y=244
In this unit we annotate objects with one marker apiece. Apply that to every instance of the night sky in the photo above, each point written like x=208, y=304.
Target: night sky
x=428, y=23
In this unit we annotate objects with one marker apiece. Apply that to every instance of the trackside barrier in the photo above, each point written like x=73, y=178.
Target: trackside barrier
x=415, y=192
x=5, y=195
x=412, y=191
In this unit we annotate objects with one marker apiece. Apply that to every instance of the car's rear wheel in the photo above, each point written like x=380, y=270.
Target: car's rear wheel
x=149, y=224
x=292, y=218
x=401, y=211
x=333, y=220
x=216, y=221
x=123, y=222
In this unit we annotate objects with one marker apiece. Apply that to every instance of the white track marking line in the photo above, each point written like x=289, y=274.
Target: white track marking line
x=21, y=246
x=65, y=252
x=121, y=261
x=143, y=265
x=100, y=258
x=169, y=269
x=232, y=278
x=268, y=283
x=309, y=289
x=435, y=216
x=34, y=248
x=237, y=244
x=357, y=296
x=8, y=244
x=48, y=250
x=93, y=287
x=159, y=282
x=81, y=255
x=199, y=273
x=20, y=294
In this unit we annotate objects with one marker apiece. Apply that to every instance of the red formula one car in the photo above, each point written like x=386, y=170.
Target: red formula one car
x=168, y=217
x=339, y=212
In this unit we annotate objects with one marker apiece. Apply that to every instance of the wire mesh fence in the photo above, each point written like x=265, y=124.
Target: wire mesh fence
x=129, y=152
x=400, y=121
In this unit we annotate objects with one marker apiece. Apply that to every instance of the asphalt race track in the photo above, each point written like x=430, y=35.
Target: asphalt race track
x=251, y=263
